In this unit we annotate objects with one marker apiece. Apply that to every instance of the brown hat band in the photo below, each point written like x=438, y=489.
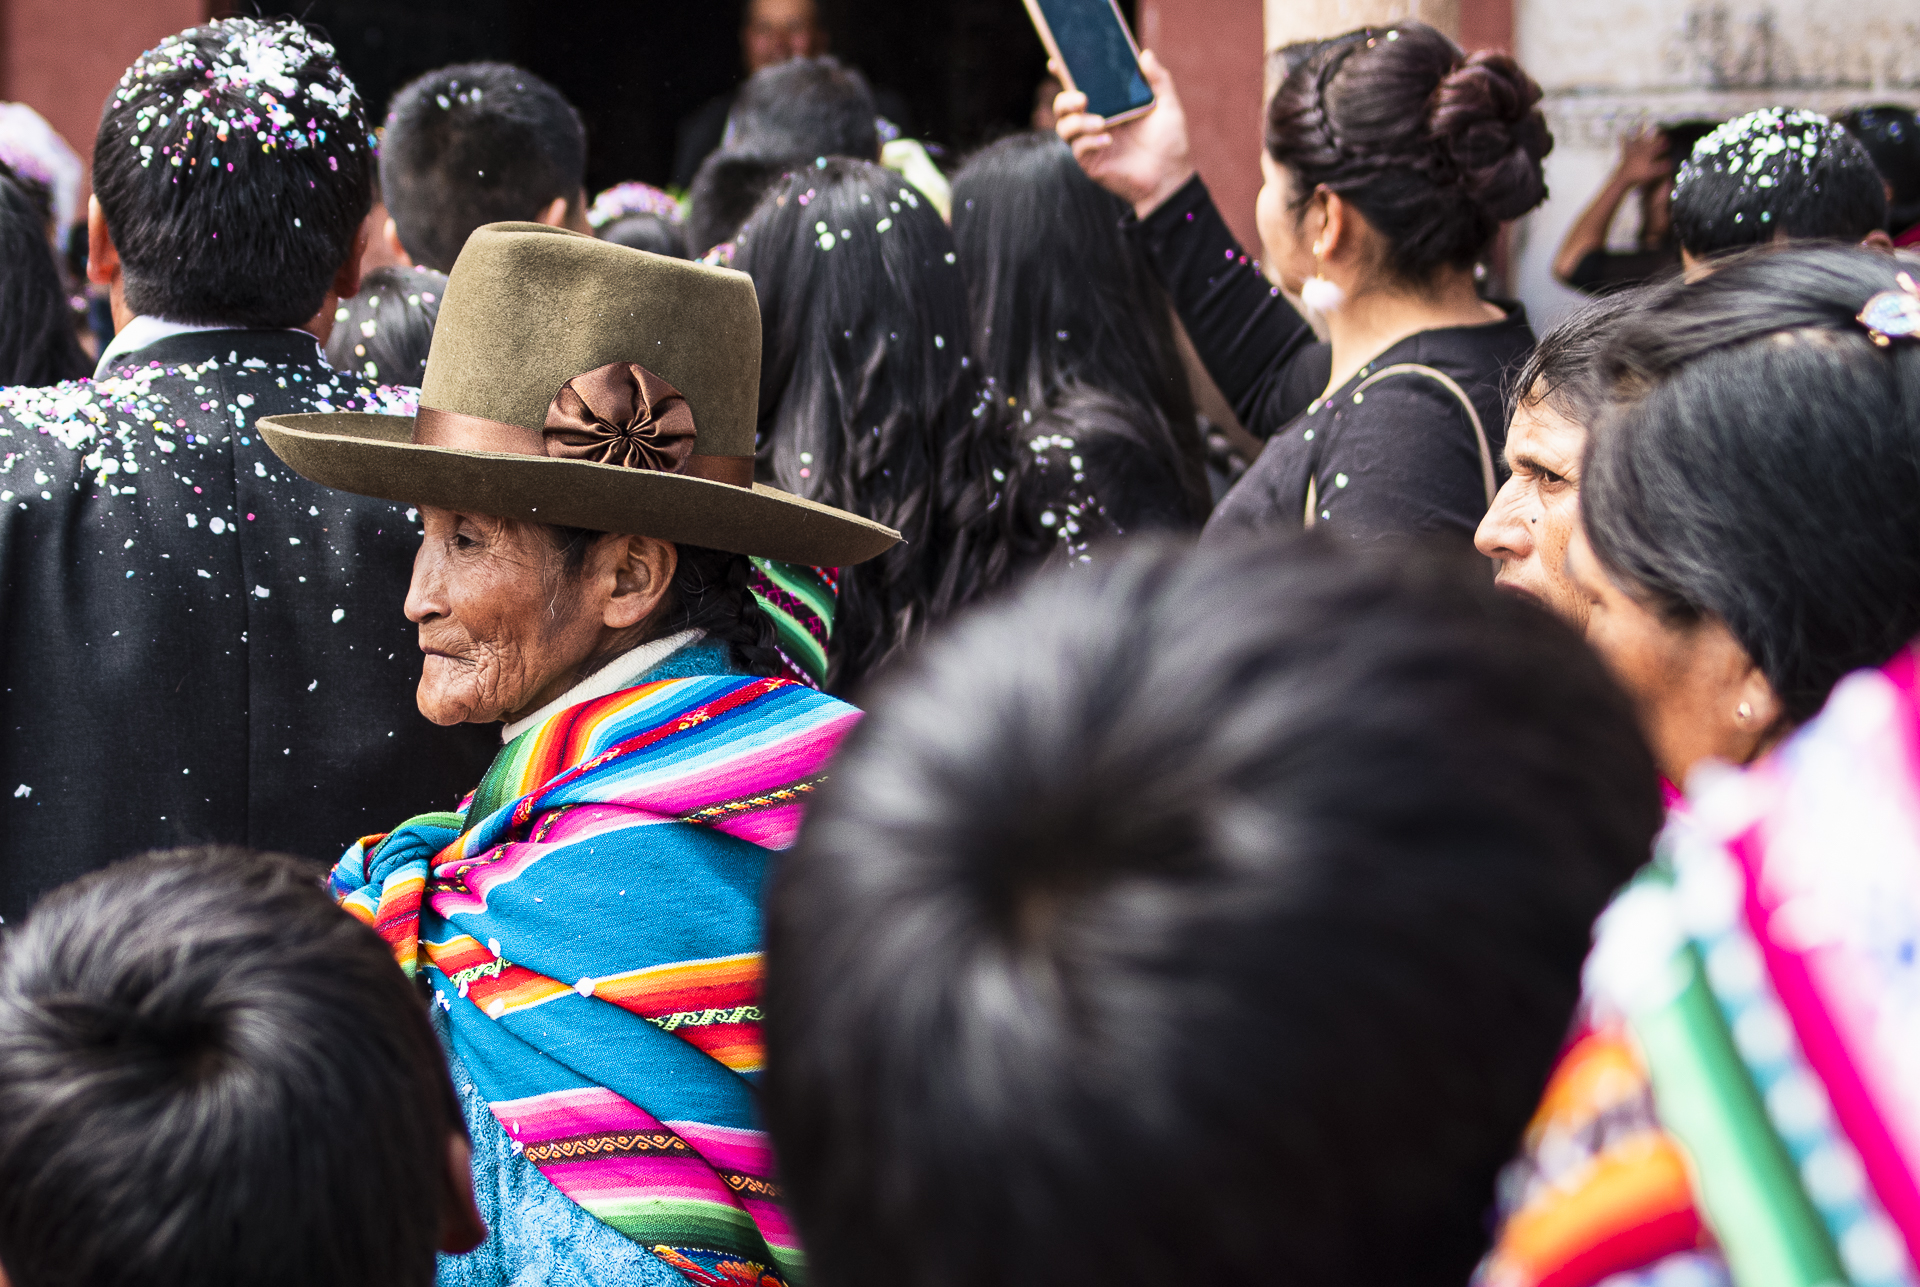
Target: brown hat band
x=618, y=414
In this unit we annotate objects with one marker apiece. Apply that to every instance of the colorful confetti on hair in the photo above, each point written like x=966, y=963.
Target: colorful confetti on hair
x=624, y=199
x=270, y=83
x=1761, y=147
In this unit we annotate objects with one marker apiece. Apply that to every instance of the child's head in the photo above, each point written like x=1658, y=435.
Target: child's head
x=210, y=1075
x=1773, y=174
x=384, y=332
x=1203, y=917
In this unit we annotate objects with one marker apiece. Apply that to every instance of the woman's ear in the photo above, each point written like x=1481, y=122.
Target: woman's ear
x=1760, y=711
x=461, y=1228
x=1336, y=237
x=642, y=574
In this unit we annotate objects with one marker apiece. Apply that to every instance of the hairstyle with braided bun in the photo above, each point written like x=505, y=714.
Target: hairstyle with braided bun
x=711, y=592
x=1435, y=147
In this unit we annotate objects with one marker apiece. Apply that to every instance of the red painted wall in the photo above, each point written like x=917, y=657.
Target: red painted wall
x=62, y=57
x=1216, y=52
x=1486, y=24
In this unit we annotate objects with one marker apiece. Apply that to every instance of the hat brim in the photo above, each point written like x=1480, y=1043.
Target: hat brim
x=374, y=455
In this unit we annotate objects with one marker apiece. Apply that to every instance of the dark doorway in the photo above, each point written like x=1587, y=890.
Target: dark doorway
x=966, y=69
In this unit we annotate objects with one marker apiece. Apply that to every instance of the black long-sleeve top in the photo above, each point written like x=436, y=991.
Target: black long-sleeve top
x=1396, y=457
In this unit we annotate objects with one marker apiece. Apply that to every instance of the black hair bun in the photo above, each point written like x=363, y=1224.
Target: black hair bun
x=1485, y=120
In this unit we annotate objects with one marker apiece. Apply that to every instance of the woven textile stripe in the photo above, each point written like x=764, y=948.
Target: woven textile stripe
x=800, y=601
x=556, y=919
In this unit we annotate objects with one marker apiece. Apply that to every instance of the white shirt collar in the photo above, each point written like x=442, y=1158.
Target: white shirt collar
x=140, y=332
x=147, y=329
x=610, y=678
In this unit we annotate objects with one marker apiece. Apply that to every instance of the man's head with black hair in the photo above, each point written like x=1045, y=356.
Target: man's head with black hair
x=474, y=144
x=805, y=108
x=1891, y=135
x=232, y=168
x=211, y=1076
x=725, y=191
x=1169, y=955
x=1778, y=173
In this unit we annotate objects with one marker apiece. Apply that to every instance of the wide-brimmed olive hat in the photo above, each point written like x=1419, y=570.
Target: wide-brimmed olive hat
x=576, y=382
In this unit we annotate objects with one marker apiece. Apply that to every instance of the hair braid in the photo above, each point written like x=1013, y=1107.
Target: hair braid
x=713, y=593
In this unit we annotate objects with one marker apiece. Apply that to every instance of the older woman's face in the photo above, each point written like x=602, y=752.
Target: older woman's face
x=1537, y=511
x=1698, y=694
x=503, y=630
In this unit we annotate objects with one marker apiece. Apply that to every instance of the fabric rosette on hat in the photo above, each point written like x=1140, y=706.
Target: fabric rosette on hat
x=580, y=383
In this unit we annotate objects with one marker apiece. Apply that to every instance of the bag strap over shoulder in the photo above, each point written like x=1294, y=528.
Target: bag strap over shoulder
x=1452, y=386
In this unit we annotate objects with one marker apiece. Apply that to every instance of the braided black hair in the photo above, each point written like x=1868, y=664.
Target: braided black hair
x=1434, y=146
x=711, y=593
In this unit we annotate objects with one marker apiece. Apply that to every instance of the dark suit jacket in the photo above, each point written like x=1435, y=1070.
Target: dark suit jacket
x=196, y=644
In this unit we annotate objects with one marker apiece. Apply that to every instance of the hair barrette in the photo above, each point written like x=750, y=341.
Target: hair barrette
x=1893, y=314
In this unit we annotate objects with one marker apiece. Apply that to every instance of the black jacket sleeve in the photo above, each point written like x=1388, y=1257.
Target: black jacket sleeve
x=1260, y=352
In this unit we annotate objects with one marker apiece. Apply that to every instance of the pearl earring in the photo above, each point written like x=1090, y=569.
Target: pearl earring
x=1743, y=712
x=1317, y=293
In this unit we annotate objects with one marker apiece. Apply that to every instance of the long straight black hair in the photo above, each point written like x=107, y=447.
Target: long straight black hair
x=1069, y=324
x=863, y=378
x=1059, y=294
x=37, y=340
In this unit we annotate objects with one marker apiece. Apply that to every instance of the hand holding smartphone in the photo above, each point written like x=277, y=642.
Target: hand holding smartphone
x=1090, y=42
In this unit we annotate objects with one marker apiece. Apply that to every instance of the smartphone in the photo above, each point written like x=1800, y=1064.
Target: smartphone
x=1089, y=38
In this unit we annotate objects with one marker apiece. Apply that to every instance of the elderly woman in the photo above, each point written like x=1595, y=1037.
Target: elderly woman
x=588, y=921
x=1750, y=534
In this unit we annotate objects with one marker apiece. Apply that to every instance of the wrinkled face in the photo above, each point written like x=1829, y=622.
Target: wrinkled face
x=504, y=632
x=780, y=30
x=1686, y=680
x=1538, y=508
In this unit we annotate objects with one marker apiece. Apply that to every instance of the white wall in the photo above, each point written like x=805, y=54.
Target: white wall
x=1608, y=65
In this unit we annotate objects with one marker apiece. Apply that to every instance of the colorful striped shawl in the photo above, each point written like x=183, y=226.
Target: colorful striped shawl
x=1760, y=985
x=591, y=923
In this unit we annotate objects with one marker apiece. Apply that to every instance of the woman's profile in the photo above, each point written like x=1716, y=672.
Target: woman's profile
x=1391, y=160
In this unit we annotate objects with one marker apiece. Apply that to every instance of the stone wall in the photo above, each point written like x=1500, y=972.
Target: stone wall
x=1607, y=66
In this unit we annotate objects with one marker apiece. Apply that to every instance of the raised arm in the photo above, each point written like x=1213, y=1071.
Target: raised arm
x=1143, y=161
x=1259, y=351
x=1643, y=160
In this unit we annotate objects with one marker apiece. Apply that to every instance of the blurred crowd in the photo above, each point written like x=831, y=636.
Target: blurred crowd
x=755, y=733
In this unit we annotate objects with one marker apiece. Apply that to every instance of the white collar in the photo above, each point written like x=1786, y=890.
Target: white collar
x=610, y=678
x=140, y=332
